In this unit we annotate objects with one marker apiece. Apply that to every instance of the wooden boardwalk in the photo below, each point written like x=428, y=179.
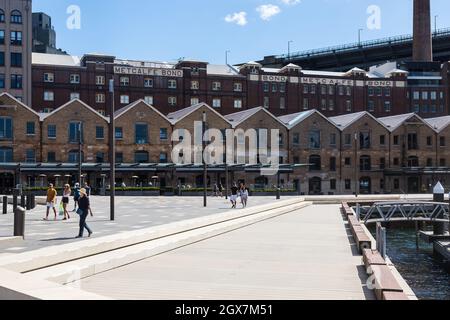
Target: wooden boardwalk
x=302, y=255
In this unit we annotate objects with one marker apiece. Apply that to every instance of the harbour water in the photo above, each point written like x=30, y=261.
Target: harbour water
x=425, y=273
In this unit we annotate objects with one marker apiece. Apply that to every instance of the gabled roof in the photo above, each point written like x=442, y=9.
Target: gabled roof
x=292, y=120
x=68, y=104
x=439, y=124
x=55, y=59
x=239, y=117
x=129, y=107
x=355, y=70
x=20, y=103
x=177, y=116
x=344, y=121
x=394, y=122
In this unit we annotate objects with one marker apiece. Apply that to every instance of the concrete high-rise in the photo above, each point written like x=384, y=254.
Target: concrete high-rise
x=422, y=44
x=16, y=48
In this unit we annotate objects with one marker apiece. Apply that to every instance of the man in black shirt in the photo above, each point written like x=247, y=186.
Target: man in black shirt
x=83, y=211
x=234, y=196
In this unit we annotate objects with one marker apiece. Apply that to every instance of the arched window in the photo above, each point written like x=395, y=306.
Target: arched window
x=365, y=163
x=2, y=15
x=16, y=17
x=141, y=157
x=315, y=163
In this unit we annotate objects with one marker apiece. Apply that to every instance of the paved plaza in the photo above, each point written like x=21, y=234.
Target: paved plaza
x=132, y=213
x=306, y=254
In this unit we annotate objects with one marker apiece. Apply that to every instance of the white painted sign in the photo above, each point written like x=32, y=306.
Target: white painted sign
x=274, y=78
x=328, y=81
x=139, y=71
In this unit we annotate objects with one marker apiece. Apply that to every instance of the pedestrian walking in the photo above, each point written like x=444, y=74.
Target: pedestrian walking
x=65, y=200
x=51, y=200
x=234, y=195
x=215, y=190
x=244, y=195
x=220, y=190
x=83, y=210
x=76, y=196
x=88, y=193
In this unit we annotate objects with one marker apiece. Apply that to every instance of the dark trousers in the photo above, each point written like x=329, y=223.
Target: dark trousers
x=83, y=224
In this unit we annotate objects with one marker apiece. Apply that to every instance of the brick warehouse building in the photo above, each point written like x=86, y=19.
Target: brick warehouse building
x=403, y=153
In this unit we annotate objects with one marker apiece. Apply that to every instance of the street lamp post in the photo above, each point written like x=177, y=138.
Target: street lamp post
x=289, y=49
x=112, y=152
x=80, y=160
x=359, y=35
x=205, y=171
x=435, y=24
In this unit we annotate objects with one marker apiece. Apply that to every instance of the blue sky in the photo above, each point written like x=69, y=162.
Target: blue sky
x=165, y=30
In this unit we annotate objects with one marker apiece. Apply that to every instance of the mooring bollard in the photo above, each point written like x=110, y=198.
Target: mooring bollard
x=15, y=203
x=33, y=201
x=278, y=193
x=438, y=196
x=19, y=222
x=5, y=205
x=28, y=202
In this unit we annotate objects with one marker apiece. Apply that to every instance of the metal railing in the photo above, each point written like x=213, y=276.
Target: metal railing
x=359, y=45
x=405, y=211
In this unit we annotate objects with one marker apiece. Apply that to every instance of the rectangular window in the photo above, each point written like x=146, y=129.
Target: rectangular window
x=141, y=133
x=148, y=100
x=119, y=157
x=416, y=95
x=433, y=95
x=323, y=89
x=332, y=164
x=314, y=139
x=194, y=101
x=282, y=87
x=216, y=86
x=266, y=102
x=31, y=131
x=429, y=141
x=99, y=132
x=396, y=141
x=238, y=104
x=382, y=140
x=172, y=101
x=266, y=87
x=333, y=140
x=323, y=104
x=237, y=87
x=348, y=106
x=305, y=89
x=16, y=81
x=51, y=131
x=378, y=91
x=16, y=59
x=2, y=81
x=124, y=99
x=331, y=90
x=348, y=184
x=49, y=77
x=442, y=162
x=75, y=132
x=217, y=103
x=364, y=140
x=6, y=125
x=442, y=141
x=163, y=135
x=274, y=87
x=74, y=78
x=2, y=36
x=74, y=96
x=49, y=96
x=172, y=84
x=163, y=157
x=16, y=38
x=333, y=184
x=331, y=105
x=51, y=157
x=348, y=139
x=119, y=133
x=413, y=141
x=124, y=81
x=382, y=163
x=30, y=156
x=370, y=91
x=387, y=106
x=313, y=89
x=100, y=157
x=396, y=184
x=148, y=82
x=296, y=139
x=347, y=162
x=282, y=103
x=348, y=91
x=195, y=85
x=371, y=106
x=100, y=80
x=396, y=161
x=100, y=98
x=305, y=103
x=424, y=95
x=341, y=90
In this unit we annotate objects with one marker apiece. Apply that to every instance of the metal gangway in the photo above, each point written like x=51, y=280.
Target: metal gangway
x=404, y=211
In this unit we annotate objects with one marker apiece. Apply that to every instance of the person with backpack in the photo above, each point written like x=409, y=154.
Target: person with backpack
x=76, y=195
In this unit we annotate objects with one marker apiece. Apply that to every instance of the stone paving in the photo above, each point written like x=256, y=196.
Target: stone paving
x=132, y=213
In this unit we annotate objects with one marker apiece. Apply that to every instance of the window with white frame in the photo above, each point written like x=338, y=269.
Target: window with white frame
x=194, y=101
x=148, y=82
x=74, y=78
x=74, y=96
x=424, y=95
x=49, y=96
x=237, y=87
x=416, y=95
x=195, y=85
x=124, y=81
x=172, y=101
x=49, y=77
x=217, y=103
x=266, y=102
x=282, y=103
x=238, y=104
x=348, y=105
x=148, y=99
x=433, y=95
x=124, y=99
x=100, y=98
x=99, y=80
x=172, y=84
x=216, y=86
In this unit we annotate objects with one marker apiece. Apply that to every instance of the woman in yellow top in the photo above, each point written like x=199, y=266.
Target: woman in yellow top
x=51, y=201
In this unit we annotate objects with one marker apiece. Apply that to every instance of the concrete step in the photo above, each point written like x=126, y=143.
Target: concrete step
x=34, y=260
x=89, y=266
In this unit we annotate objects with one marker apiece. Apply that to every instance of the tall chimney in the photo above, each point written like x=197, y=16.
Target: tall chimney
x=422, y=44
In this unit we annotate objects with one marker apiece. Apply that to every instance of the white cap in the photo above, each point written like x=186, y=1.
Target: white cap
x=438, y=189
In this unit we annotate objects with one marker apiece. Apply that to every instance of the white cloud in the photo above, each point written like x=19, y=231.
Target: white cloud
x=267, y=11
x=240, y=18
x=291, y=2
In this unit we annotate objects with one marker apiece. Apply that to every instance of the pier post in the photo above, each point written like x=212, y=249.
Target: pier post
x=5, y=204
x=438, y=196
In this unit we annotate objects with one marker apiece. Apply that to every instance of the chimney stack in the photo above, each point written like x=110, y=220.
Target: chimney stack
x=422, y=44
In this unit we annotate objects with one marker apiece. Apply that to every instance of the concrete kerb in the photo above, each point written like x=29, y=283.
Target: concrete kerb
x=10, y=241
x=114, y=259
x=29, y=261
x=17, y=286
